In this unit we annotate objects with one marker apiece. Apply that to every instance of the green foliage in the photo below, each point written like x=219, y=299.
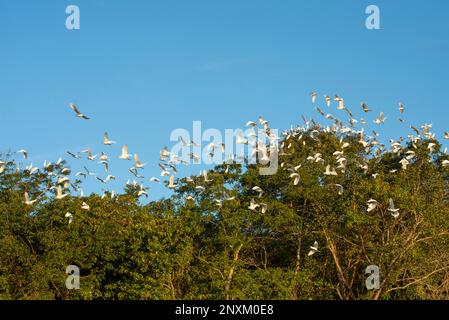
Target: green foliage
x=183, y=249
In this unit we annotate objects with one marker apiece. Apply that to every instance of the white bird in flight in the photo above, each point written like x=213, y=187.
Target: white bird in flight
x=59, y=194
x=328, y=100
x=313, y=95
x=142, y=191
x=206, y=179
x=380, y=119
x=78, y=113
x=253, y=205
x=296, y=178
x=29, y=202
x=200, y=188
x=391, y=208
x=73, y=155
x=364, y=107
x=404, y=162
x=135, y=172
x=89, y=154
x=31, y=169
x=139, y=165
x=315, y=158
x=62, y=180
x=106, y=140
x=372, y=204
x=171, y=182
x=262, y=121
x=341, y=103
x=125, y=155
x=69, y=216
x=313, y=249
x=24, y=153
x=194, y=156
x=258, y=190
x=240, y=139
x=330, y=171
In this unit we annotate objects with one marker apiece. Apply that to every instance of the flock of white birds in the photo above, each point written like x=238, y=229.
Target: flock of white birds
x=168, y=161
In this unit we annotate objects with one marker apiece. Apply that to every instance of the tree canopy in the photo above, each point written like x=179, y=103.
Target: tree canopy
x=208, y=244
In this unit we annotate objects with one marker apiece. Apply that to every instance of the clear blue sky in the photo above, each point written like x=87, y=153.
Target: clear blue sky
x=143, y=68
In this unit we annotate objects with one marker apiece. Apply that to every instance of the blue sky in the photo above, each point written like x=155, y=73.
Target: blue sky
x=143, y=68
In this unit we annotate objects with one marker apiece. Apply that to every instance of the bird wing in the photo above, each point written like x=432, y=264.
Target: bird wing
x=74, y=108
x=125, y=150
x=58, y=191
x=136, y=159
x=391, y=204
x=415, y=129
